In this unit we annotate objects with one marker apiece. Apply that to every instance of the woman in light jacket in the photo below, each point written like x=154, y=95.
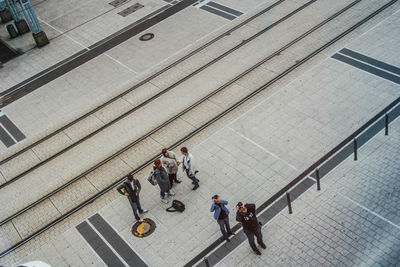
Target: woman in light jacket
x=170, y=163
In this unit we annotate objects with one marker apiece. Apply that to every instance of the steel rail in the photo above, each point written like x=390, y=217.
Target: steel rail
x=175, y=117
x=149, y=100
x=237, y=104
x=140, y=83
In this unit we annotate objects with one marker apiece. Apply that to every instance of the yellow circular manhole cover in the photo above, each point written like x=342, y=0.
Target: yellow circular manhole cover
x=143, y=228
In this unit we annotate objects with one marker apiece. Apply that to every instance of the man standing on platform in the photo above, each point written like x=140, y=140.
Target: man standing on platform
x=131, y=188
x=246, y=214
x=189, y=167
x=221, y=215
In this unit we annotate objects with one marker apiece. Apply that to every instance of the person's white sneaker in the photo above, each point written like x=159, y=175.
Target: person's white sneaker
x=144, y=211
x=165, y=201
x=171, y=193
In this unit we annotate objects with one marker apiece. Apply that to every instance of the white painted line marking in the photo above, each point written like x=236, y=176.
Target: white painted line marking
x=205, y=2
x=119, y=62
x=108, y=244
x=123, y=238
x=66, y=35
x=365, y=208
x=6, y=130
x=88, y=245
x=85, y=47
x=263, y=148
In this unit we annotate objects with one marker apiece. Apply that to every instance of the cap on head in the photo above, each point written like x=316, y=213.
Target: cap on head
x=214, y=197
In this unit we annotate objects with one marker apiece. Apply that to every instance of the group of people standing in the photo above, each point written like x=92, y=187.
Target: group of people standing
x=166, y=169
x=165, y=172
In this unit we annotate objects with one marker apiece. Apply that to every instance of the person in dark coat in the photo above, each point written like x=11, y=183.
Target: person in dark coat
x=163, y=180
x=221, y=215
x=131, y=188
x=246, y=214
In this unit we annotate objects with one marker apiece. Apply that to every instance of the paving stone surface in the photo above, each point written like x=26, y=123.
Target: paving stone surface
x=352, y=221
x=251, y=159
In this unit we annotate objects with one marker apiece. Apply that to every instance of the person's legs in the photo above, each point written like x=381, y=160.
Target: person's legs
x=171, y=179
x=194, y=179
x=228, y=227
x=162, y=194
x=175, y=178
x=139, y=207
x=134, y=208
x=222, y=228
x=259, y=238
x=250, y=237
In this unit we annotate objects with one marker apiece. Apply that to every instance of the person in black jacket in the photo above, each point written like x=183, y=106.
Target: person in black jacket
x=246, y=214
x=131, y=188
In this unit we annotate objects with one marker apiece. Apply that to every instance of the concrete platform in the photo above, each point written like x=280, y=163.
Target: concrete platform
x=94, y=82
x=251, y=155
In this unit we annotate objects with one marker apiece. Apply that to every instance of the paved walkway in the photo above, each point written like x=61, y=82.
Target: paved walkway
x=253, y=157
x=352, y=221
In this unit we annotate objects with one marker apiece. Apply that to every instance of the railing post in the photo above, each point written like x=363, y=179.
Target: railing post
x=289, y=204
x=206, y=262
x=318, y=179
x=386, y=124
x=355, y=148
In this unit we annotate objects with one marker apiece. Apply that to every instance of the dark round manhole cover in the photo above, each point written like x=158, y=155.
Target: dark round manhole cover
x=143, y=228
x=146, y=37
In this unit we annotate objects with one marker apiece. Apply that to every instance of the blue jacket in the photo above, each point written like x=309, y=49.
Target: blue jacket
x=217, y=209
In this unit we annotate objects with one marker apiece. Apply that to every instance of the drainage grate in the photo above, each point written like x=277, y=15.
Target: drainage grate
x=146, y=37
x=130, y=10
x=117, y=3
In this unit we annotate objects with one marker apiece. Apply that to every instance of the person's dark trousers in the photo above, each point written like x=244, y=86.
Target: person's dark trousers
x=250, y=237
x=193, y=178
x=135, y=207
x=172, y=178
x=222, y=224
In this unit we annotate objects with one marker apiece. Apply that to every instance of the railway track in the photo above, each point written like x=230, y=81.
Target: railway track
x=118, y=97
x=219, y=93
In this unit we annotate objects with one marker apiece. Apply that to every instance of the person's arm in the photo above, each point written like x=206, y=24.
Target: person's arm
x=212, y=207
x=251, y=207
x=138, y=185
x=224, y=202
x=119, y=189
x=239, y=217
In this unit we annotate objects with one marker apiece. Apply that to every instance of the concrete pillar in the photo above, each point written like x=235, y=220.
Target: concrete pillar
x=40, y=38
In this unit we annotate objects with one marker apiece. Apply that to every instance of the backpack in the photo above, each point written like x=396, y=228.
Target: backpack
x=152, y=178
x=176, y=206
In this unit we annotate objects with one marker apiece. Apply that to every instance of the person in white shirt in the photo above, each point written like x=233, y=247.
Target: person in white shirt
x=189, y=167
